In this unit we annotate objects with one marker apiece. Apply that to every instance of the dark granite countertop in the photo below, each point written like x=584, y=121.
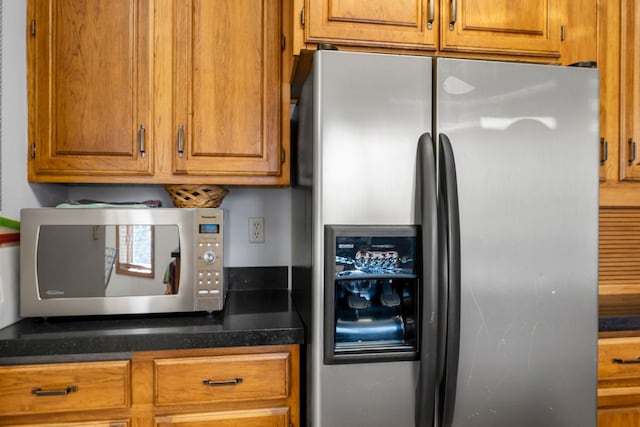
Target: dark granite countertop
x=250, y=317
x=622, y=324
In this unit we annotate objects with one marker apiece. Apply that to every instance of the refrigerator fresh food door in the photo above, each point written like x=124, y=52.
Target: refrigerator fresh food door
x=524, y=141
x=369, y=111
x=449, y=280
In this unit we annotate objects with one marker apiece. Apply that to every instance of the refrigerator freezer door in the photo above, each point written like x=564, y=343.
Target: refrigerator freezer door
x=525, y=143
x=369, y=111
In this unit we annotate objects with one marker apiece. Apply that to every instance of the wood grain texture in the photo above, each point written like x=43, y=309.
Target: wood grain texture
x=99, y=385
x=524, y=28
x=619, y=59
x=247, y=377
x=620, y=417
x=157, y=390
x=266, y=417
x=90, y=65
x=399, y=24
x=630, y=89
x=618, y=383
x=98, y=70
x=619, y=247
x=227, y=94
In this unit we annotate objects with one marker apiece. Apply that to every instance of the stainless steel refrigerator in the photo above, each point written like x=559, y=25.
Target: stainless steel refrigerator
x=445, y=224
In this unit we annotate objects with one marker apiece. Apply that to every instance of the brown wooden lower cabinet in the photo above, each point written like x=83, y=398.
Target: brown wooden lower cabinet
x=256, y=386
x=619, y=417
x=619, y=381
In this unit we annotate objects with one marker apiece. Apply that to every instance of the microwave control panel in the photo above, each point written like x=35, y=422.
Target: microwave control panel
x=210, y=290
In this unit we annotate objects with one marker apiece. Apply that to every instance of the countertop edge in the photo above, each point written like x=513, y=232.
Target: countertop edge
x=250, y=318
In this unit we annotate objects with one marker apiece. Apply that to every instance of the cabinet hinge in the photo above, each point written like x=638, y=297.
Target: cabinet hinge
x=32, y=150
x=563, y=33
x=33, y=28
x=283, y=41
x=302, y=17
x=283, y=155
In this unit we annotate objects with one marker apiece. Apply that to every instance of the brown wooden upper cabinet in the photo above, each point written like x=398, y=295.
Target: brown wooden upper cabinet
x=619, y=56
x=90, y=67
x=518, y=27
x=158, y=91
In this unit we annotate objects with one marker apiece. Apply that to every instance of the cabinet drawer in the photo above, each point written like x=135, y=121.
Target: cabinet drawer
x=36, y=389
x=222, y=378
x=264, y=417
x=618, y=371
x=94, y=423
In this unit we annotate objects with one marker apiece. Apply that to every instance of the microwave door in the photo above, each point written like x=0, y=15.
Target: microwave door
x=72, y=261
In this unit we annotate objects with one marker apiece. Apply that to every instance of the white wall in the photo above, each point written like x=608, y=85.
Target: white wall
x=274, y=204
x=16, y=193
x=240, y=204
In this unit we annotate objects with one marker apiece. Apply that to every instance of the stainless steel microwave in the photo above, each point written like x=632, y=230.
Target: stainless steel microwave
x=106, y=261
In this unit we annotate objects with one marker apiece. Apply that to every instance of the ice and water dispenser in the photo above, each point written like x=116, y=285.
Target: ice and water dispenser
x=371, y=293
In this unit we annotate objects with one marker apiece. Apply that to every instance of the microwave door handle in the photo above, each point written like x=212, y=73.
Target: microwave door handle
x=427, y=377
x=450, y=271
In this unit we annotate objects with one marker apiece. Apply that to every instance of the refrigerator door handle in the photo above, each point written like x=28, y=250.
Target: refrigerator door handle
x=450, y=276
x=427, y=377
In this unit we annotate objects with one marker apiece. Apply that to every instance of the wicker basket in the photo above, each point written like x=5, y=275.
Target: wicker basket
x=196, y=196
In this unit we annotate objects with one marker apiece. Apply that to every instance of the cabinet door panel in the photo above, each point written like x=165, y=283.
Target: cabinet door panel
x=526, y=27
x=400, y=23
x=233, y=378
x=90, y=107
x=630, y=89
x=624, y=417
x=608, y=60
x=96, y=423
x=227, y=102
x=65, y=387
x=267, y=417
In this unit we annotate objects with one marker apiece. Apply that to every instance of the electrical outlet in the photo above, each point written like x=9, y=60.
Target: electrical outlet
x=256, y=230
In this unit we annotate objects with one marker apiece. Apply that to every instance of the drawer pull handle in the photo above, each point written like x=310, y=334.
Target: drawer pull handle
x=626, y=361
x=62, y=392
x=213, y=383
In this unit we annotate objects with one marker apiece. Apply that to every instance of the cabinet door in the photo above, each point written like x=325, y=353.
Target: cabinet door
x=630, y=88
x=227, y=111
x=622, y=417
x=609, y=66
x=619, y=63
x=517, y=27
x=408, y=24
x=90, y=104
